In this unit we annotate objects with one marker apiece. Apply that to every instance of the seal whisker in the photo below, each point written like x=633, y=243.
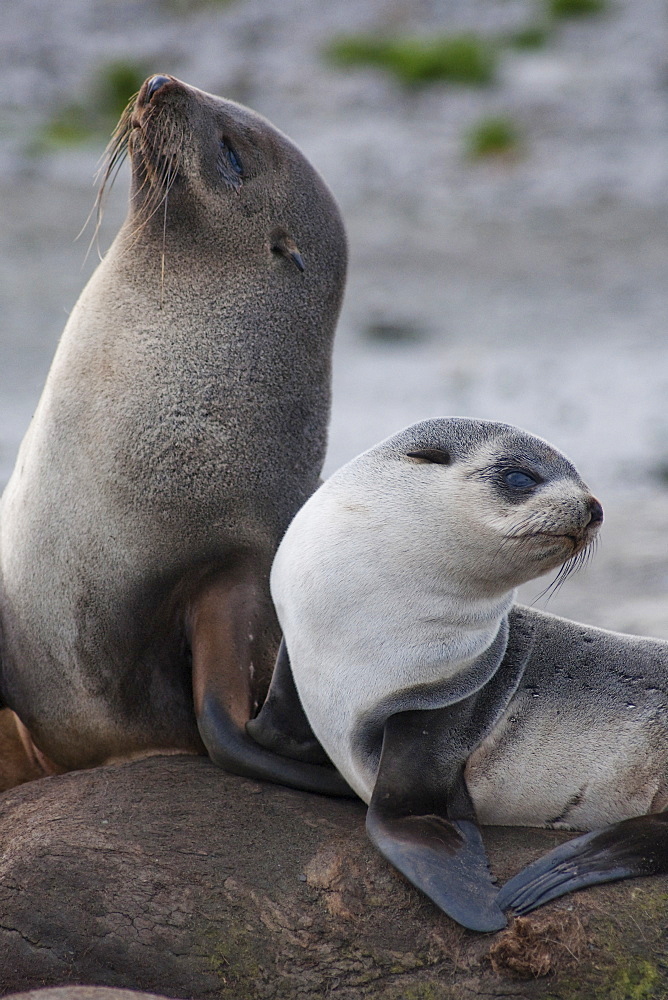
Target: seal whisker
x=112, y=160
x=516, y=535
x=110, y=163
x=158, y=179
x=152, y=206
x=162, y=255
x=160, y=172
x=520, y=527
x=520, y=538
x=551, y=588
x=571, y=566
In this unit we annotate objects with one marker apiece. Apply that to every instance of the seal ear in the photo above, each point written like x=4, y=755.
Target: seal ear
x=282, y=242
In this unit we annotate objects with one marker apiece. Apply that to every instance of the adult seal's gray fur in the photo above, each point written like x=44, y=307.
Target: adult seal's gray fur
x=182, y=424
x=444, y=704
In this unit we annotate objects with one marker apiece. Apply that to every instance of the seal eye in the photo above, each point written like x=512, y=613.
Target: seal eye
x=519, y=480
x=232, y=157
x=229, y=166
x=437, y=456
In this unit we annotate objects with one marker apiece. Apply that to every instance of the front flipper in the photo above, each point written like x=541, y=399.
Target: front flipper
x=224, y=621
x=422, y=820
x=421, y=816
x=637, y=846
x=281, y=725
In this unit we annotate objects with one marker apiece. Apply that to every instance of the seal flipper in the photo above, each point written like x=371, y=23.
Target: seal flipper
x=422, y=820
x=634, y=847
x=232, y=749
x=421, y=816
x=281, y=725
x=223, y=619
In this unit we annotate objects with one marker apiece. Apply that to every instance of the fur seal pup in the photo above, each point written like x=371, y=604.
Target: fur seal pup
x=182, y=424
x=441, y=702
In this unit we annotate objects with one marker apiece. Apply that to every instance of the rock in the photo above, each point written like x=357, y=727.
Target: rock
x=170, y=876
x=83, y=993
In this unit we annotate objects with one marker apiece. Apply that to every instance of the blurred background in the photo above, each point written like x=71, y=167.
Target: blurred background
x=502, y=167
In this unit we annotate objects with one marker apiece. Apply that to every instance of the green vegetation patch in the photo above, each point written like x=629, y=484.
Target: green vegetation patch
x=110, y=92
x=575, y=8
x=494, y=136
x=68, y=126
x=116, y=84
x=639, y=982
x=533, y=36
x=462, y=59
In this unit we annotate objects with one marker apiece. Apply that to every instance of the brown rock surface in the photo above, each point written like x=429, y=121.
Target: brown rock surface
x=83, y=993
x=168, y=875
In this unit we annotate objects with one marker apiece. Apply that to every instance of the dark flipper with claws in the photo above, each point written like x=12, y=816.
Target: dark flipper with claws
x=426, y=828
x=637, y=846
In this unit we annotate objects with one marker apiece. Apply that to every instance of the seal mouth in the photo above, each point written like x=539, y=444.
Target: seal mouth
x=578, y=541
x=578, y=547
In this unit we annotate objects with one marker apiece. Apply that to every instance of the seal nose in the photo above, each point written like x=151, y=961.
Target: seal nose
x=154, y=85
x=595, y=512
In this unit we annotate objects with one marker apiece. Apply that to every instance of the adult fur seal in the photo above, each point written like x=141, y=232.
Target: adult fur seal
x=441, y=702
x=182, y=424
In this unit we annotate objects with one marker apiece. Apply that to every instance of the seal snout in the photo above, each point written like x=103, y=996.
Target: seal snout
x=154, y=84
x=589, y=525
x=150, y=89
x=590, y=521
x=595, y=513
